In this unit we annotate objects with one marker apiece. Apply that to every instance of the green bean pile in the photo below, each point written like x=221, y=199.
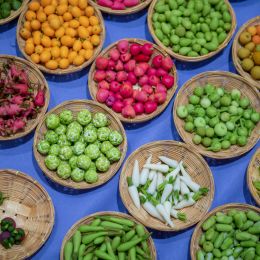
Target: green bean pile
x=231, y=235
x=108, y=238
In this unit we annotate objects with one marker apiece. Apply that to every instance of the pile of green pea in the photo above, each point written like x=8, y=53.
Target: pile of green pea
x=218, y=118
x=79, y=148
x=110, y=238
x=231, y=235
x=191, y=28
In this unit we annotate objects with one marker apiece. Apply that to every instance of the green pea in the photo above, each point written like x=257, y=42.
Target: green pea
x=209, y=223
x=159, y=34
x=204, y=51
x=193, y=28
x=201, y=41
x=208, y=246
x=166, y=29
x=177, y=13
x=161, y=18
x=226, y=17
x=206, y=10
x=184, y=50
x=174, y=21
x=180, y=31
x=176, y=48
x=214, y=24
x=168, y=15
x=200, y=35
x=191, y=5
x=157, y=25
x=204, y=27
x=222, y=37
x=208, y=36
x=198, y=6
x=194, y=18
x=184, y=42
x=211, y=46
x=186, y=23
x=160, y=8
x=155, y=17
x=173, y=4
x=192, y=54
x=198, y=27
x=174, y=39
x=227, y=242
x=219, y=240
x=227, y=26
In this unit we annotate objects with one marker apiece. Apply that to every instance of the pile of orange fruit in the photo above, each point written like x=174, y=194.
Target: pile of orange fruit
x=60, y=33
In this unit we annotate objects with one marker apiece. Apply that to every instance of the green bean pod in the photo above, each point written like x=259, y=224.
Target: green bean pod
x=132, y=253
x=82, y=248
x=115, y=242
x=103, y=255
x=76, y=239
x=121, y=256
x=91, y=237
x=88, y=256
x=68, y=249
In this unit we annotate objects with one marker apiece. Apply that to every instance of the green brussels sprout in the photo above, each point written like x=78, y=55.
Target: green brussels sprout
x=98, y=144
x=52, y=121
x=52, y=162
x=54, y=149
x=65, y=153
x=79, y=148
x=113, y=155
x=75, y=125
x=115, y=138
x=90, y=135
x=73, y=135
x=103, y=133
x=106, y=146
x=43, y=147
x=102, y=164
x=83, y=162
x=61, y=129
x=51, y=137
x=92, y=166
x=90, y=126
x=92, y=151
x=100, y=120
x=77, y=175
x=73, y=162
x=64, y=170
x=63, y=141
x=84, y=117
x=66, y=117
x=91, y=176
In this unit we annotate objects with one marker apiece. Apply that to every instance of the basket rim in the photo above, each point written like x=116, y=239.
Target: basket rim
x=73, y=185
x=162, y=143
x=186, y=85
x=186, y=58
x=28, y=178
x=47, y=96
x=194, y=240
x=235, y=57
x=250, y=170
x=142, y=118
x=14, y=14
x=102, y=213
x=129, y=10
x=72, y=68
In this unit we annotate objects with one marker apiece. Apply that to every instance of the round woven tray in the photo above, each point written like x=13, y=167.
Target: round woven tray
x=14, y=14
x=186, y=58
x=35, y=78
x=91, y=217
x=196, y=166
x=30, y=206
x=236, y=46
x=253, y=174
x=129, y=10
x=194, y=245
x=71, y=68
x=92, y=85
x=228, y=81
x=75, y=106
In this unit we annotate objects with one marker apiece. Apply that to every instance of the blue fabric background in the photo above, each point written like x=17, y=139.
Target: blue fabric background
x=70, y=206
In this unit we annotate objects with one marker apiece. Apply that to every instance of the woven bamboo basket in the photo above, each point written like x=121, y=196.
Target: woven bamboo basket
x=196, y=167
x=236, y=46
x=194, y=245
x=253, y=174
x=88, y=219
x=75, y=106
x=186, y=58
x=228, y=81
x=30, y=206
x=144, y=117
x=14, y=14
x=71, y=68
x=127, y=11
x=36, y=79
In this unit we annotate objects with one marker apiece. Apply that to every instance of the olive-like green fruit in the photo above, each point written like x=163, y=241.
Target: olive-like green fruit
x=243, y=53
x=244, y=38
x=247, y=64
x=255, y=72
x=250, y=46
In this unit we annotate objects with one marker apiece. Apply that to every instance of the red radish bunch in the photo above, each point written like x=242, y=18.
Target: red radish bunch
x=118, y=4
x=19, y=101
x=131, y=81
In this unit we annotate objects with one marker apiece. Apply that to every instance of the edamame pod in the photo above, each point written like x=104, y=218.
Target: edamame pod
x=95, y=223
x=99, y=240
x=81, y=251
x=115, y=242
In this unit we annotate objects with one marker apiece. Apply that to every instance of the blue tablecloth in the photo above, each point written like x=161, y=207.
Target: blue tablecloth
x=230, y=176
